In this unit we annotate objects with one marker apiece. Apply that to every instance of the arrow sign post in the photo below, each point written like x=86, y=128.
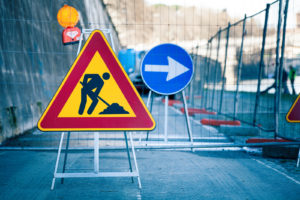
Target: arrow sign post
x=173, y=68
x=167, y=69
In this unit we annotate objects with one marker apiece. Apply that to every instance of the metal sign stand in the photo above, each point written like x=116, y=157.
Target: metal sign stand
x=96, y=172
x=150, y=102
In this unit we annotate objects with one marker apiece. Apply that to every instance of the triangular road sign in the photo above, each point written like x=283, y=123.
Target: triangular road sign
x=294, y=112
x=96, y=94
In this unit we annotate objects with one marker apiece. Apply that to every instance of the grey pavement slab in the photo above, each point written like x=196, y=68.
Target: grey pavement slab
x=164, y=175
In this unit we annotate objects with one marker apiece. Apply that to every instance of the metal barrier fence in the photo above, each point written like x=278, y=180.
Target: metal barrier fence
x=244, y=72
x=231, y=70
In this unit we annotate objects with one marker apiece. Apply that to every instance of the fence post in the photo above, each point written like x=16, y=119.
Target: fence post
x=192, y=84
x=224, y=71
x=277, y=92
x=261, y=63
x=215, y=71
x=207, y=74
x=281, y=62
x=198, y=71
x=203, y=78
x=236, y=96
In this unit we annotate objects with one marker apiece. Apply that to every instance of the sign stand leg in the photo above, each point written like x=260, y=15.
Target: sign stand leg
x=135, y=162
x=150, y=100
x=96, y=152
x=57, y=159
x=66, y=156
x=298, y=160
x=166, y=117
x=149, y=97
x=96, y=172
x=187, y=118
x=128, y=154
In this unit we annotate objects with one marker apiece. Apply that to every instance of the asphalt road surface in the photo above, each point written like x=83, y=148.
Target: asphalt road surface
x=164, y=175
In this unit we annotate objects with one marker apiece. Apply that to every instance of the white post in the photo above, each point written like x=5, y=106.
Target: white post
x=135, y=162
x=166, y=117
x=57, y=159
x=96, y=152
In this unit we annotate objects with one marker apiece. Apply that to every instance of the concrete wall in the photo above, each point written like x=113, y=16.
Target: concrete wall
x=33, y=61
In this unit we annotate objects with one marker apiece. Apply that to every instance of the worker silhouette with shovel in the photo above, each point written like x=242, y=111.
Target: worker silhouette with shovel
x=92, y=85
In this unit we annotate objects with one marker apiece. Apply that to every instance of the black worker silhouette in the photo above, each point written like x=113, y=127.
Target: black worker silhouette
x=91, y=86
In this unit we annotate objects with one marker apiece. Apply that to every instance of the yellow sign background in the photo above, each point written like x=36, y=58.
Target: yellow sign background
x=110, y=92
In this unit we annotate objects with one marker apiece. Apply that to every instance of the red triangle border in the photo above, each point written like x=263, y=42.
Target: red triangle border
x=50, y=120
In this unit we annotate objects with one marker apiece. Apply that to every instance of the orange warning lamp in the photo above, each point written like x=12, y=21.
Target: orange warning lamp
x=68, y=17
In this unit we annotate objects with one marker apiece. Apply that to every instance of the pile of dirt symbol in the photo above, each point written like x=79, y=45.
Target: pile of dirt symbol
x=114, y=109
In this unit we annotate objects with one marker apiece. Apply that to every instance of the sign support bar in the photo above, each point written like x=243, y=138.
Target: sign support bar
x=166, y=118
x=96, y=152
x=57, y=159
x=187, y=118
x=97, y=172
x=149, y=105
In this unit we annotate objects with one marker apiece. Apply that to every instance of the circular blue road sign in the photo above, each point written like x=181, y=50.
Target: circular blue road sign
x=167, y=69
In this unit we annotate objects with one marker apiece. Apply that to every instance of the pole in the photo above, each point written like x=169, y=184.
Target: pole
x=204, y=75
x=135, y=162
x=298, y=159
x=128, y=154
x=198, y=71
x=57, y=159
x=281, y=63
x=215, y=71
x=236, y=96
x=96, y=152
x=151, y=105
x=187, y=118
x=192, y=94
x=190, y=87
x=276, y=111
x=261, y=63
x=166, y=118
x=225, y=64
x=208, y=73
x=66, y=156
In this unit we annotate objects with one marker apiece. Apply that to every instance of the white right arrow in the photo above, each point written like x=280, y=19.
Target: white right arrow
x=173, y=68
